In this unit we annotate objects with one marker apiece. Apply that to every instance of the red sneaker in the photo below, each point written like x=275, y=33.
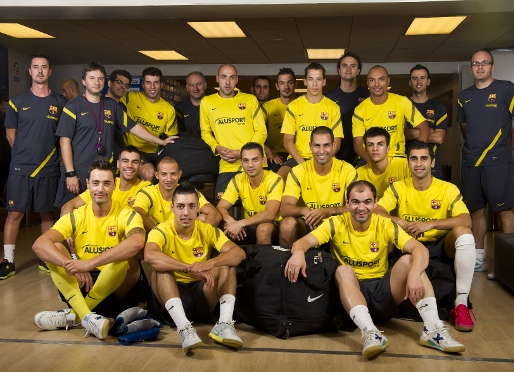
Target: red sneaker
x=461, y=318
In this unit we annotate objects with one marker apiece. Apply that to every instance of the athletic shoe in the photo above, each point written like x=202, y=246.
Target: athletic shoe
x=480, y=265
x=96, y=324
x=491, y=276
x=225, y=334
x=373, y=343
x=441, y=339
x=51, y=320
x=189, y=338
x=461, y=318
x=42, y=266
x=7, y=269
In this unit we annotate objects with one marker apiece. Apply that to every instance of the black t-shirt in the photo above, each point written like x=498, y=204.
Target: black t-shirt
x=188, y=116
x=35, y=119
x=347, y=103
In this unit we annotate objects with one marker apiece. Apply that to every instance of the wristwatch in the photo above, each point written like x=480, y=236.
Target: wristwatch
x=70, y=174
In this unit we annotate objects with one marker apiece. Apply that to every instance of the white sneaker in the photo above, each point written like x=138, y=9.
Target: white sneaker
x=51, y=320
x=96, y=324
x=225, y=334
x=189, y=338
x=441, y=339
x=491, y=276
x=373, y=343
x=480, y=265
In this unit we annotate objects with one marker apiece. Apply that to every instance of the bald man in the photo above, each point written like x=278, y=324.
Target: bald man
x=70, y=89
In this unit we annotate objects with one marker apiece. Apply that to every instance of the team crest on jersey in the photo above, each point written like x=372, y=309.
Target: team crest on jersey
x=160, y=115
x=336, y=186
x=108, y=114
x=262, y=200
x=242, y=106
x=324, y=116
x=52, y=110
x=436, y=204
x=430, y=113
x=492, y=97
x=198, y=252
x=373, y=247
x=220, y=194
x=391, y=114
x=112, y=231
x=11, y=203
x=392, y=179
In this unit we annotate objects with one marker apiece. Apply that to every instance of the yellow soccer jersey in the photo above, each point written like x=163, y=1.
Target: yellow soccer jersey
x=123, y=197
x=156, y=117
x=232, y=123
x=302, y=117
x=391, y=115
x=198, y=248
x=440, y=201
x=365, y=251
x=150, y=200
x=254, y=200
x=320, y=191
x=92, y=235
x=274, y=113
x=397, y=170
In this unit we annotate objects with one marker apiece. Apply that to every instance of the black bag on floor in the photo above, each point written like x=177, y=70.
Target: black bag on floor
x=266, y=299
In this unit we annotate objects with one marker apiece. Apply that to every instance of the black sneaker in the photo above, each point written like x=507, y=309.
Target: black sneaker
x=6, y=269
x=42, y=266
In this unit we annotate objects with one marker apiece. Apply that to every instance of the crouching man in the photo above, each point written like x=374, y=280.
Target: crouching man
x=186, y=280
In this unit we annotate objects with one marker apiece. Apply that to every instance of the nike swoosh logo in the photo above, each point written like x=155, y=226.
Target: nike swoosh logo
x=368, y=119
x=83, y=113
x=466, y=101
x=499, y=205
x=25, y=108
x=159, y=152
x=186, y=116
x=309, y=188
x=346, y=242
x=138, y=106
x=300, y=115
x=84, y=232
x=214, y=108
x=309, y=299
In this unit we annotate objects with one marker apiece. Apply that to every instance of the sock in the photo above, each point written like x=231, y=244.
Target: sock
x=427, y=308
x=480, y=253
x=226, y=308
x=464, y=264
x=176, y=310
x=9, y=252
x=361, y=318
x=110, y=278
x=69, y=287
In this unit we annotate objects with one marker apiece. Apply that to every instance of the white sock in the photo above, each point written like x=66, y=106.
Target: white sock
x=480, y=253
x=9, y=252
x=227, y=303
x=176, y=310
x=464, y=264
x=427, y=309
x=361, y=318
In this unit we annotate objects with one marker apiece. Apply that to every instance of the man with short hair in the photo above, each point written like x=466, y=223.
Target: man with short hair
x=153, y=202
x=187, y=281
x=70, y=89
x=306, y=113
x=433, y=212
x=260, y=192
x=369, y=289
x=348, y=95
x=274, y=113
x=387, y=110
x=261, y=88
x=228, y=120
x=150, y=110
x=433, y=111
x=485, y=112
x=119, y=84
x=188, y=110
x=381, y=170
x=320, y=183
x=31, y=122
x=107, y=238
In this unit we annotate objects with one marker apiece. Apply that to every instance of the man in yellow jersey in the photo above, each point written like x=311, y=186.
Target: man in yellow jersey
x=157, y=115
x=261, y=88
x=108, y=237
x=306, y=113
x=260, y=192
x=274, y=112
x=387, y=110
x=381, y=170
x=433, y=212
x=370, y=289
x=187, y=282
x=153, y=202
x=228, y=120
x=319, y=183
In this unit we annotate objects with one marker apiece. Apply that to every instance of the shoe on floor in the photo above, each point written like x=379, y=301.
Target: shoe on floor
x=97, y=325
x=225, y=334
x=480, y=265
x=50, y=320
x=461, y=318
x=7, y=269
x=491, y=276
x=42, y=266
x=440, y=338
x=189, y=338
x=373, y=343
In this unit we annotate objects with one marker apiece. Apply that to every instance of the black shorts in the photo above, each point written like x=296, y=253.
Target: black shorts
x=491, y=184
x=22, y=191
x=147, y=157
x=274, y=166
x=251, y=234
x=378, y=296
x=222, y=183
x=437, y=251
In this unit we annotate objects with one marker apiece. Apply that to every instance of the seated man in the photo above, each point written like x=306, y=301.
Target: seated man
x=260, y=192
x=381, y=170
x=186, y=281
x=108, y=237
x=320, y=183
x=368, y=287
x=433, y=212
x=153, y=203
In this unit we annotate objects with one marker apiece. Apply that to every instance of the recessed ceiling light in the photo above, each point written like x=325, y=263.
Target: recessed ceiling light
x=164, y=55
x=211, y=30
x=22, y=32
x=324, y=53
x=434, y=26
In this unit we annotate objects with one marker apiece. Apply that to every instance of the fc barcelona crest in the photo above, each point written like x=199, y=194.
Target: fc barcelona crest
x=373, y=247
x=391, y=114
x=160, y=115
x=430, y=113
x=242, y=106
x=324, y=116
x=336, y=186
x=107, y=114
x=262, y=200
x=112, y=231
x=436, y=204
x=392, y=179
x=198, y=252
x=492, y=97
x=52, y=110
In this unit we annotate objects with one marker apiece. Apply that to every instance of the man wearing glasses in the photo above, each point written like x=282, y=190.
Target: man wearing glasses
x=119, y=84
x=485, y=112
